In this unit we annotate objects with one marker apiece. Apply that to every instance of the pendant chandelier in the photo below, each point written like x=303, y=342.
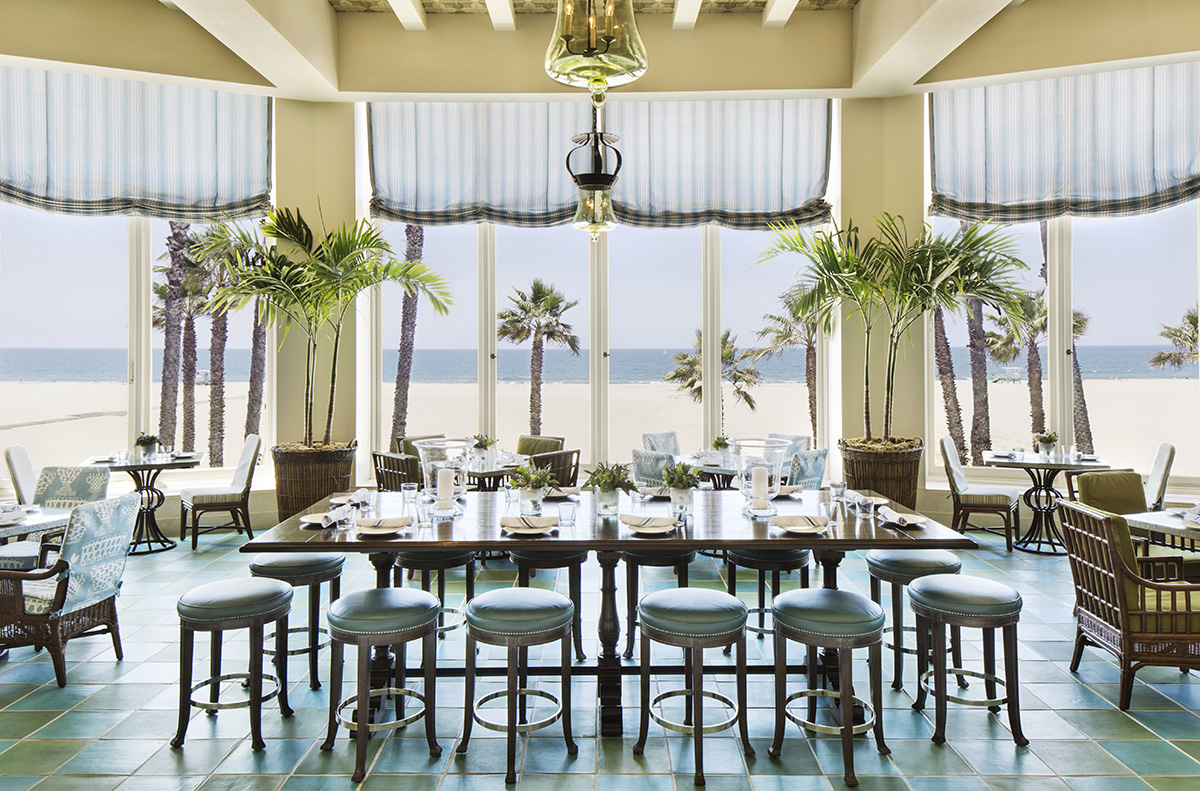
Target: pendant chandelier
x=595, y=46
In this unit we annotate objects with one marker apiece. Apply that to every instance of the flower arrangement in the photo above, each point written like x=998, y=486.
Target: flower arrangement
x=145, y=440
x=483, y=441
x=610, y=478
x=720, y=443
x=1049, y=438
x=524, y=477
x=681, y=476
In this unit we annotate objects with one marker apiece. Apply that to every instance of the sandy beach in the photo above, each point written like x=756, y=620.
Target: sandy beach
x=64, y=422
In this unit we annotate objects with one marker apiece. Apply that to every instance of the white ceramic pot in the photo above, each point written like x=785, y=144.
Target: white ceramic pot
x=607, y=502
x=531, y=501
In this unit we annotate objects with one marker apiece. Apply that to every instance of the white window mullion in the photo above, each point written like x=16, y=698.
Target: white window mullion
x=486, y=357
x=140, y=362
x=1059, y=413
x=598, y=358
x=710, y=331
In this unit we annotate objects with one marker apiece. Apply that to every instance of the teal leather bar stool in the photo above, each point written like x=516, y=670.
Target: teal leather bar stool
x=382, y=616
x=693, y=619
x=634, y=560
x=304, y=570
x=428, y=561
x=570, y=560
x=973, y=602
x=217, y=607
x=517, y=618
x=839, y=620
x=776, y=562
x=900, y=567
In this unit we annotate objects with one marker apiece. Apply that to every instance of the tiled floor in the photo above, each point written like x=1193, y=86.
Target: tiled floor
x=110, y=726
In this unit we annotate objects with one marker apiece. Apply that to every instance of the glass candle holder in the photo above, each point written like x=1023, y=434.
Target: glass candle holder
x=758, y=466
x=451, y=455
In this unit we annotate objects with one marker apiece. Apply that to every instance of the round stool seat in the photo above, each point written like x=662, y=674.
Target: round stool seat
x=305, y=564
x=775, y=557
x=515, y=611
x=565, y=557
x=658, y=555
x=446, y=557
x=906, y=565
x=960, y=595
x=383, y=611
x=223, y=601
x=693, y=612
x=828, y=613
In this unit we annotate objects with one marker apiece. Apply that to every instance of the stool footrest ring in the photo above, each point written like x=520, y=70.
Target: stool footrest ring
x=456, y=624
x=680, y=727
x=390, y=725
x=750, y=613
x=237, y=704
x=270, y=639
x=902, y=649
x=491, y=725
x=958, y=671
x=868, y=712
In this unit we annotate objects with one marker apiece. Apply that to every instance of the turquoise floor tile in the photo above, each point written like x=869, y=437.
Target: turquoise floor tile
x=1156, y=757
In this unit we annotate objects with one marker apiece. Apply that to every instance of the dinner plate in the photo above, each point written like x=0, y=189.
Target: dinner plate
x=381, y=532
x=11, y=517
x=805, y=529
x=652, y=530
x=315, y=519
x=529, y=531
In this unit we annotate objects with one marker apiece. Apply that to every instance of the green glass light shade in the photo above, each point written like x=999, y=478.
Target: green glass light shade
x=595, y=45
x=595, y=212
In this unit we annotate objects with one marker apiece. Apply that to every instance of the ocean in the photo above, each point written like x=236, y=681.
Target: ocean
x=627, y=366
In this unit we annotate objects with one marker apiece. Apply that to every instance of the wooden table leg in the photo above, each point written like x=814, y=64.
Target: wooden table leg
x=608, y=676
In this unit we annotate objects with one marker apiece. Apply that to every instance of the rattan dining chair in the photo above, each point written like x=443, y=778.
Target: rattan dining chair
x=1003, y=501
x=563, y=465
x=233, y=499
x=394, y=469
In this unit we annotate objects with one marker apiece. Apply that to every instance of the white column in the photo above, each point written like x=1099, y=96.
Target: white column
x=710, y=330
x=1059, y=411
x=486, y=357
x=140, y=362
x=598, y=351
x=372, y=418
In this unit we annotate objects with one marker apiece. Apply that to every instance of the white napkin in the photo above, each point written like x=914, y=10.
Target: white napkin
x=11, y=506
x=787, y=489
x=900, y=520
x=1191, y=517
x=561, y=491
x=1004, y=454
x=393, y=521
x=359, y=497
x=654, y=491
x=1088, y=457
x=648, y=521
x=339, y=514
x=528, y=522
x=800, y=521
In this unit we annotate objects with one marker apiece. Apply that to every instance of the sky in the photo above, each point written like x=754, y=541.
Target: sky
x=63, y=280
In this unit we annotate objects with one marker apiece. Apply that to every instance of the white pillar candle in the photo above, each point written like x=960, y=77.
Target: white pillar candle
x=758, y=487
x=445, y=488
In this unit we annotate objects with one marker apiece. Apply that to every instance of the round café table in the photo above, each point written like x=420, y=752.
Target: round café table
x=1043, y=536
x=147, y=537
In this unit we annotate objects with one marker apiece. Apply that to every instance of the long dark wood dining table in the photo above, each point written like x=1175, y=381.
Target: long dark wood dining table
x=717, y=523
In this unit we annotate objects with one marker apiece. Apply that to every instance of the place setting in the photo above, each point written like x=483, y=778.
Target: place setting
x=12, y=513
x=650, y=525
x=529, y=525
x=799, y=524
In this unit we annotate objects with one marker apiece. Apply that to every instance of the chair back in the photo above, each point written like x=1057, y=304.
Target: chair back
x=394, y=469
x=533, y=444
x=954, y=470
x=662, y=442
x=244, y=473
x=1098, y=546
x=67, y=487
x=94, y=548
x=808, y=468
x=1156, y=484
x=20, y=470
x=648, y=466
x=404, y=445
x=563, y=465
x=798, y=442
x=1113, y=491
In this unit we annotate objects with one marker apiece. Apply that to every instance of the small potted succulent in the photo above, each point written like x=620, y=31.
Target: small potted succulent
x=531, y=485
x=681, y=481
x=145, y=446
x=482, y=449
x=607, y=482
x=1046, y=442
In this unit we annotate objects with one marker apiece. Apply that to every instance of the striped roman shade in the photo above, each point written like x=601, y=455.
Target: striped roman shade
x=88, y=145
x=1099, y=145
x=740, y=163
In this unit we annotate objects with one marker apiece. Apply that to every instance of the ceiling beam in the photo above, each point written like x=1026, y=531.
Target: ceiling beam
x=777, y=12
x=897, y=43
x=292, y=45
x=686, y=12
x=410, y=13
x=501, y=12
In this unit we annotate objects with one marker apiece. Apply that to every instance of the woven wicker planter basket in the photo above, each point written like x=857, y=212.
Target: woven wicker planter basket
x=304, y=475
x=892, y=473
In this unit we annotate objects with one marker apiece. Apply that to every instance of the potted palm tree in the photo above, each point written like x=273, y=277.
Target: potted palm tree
x=891, y=281
x=309, y=284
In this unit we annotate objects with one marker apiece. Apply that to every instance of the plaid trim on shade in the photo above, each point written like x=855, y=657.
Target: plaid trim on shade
x=741, y=163
x=87, y=145
x=1115, y=144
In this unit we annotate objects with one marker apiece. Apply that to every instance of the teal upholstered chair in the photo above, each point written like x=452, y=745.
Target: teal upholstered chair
x=20, y=470
x=77, y=595
x=648, y=466
x=55, y=487
x=798, y=442
x=808, y=468
x=663, y=442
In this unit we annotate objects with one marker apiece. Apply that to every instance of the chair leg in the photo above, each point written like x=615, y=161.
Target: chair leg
x=743, y=710
x=214, y=668
x=762, y=599
x=811, y=662
x=468, y=696
x=1008, y=531
x=281, y=635
x=565, y=696
x=245, y=509
x=522, y=682
x=956, y=654
x=575, y=583
x=1080, y=643
x=731, y=587
x=939, y=681
x=186, y=644
x=256, y=684
x=698, y=712
x=510, y=736
x=644, y=688
x=1013, y=685
x=780, y=693
x=314, y=623
x=989, y=665
x=115, y=631
x=195, y=528
x=922, y=625
x=363, y=713
x=875, y=660
x=429, y=660
x=631, y=599
x=846, y=691
x=182, y=520
x=897, y=634
x=335, y=691
x=441, y=594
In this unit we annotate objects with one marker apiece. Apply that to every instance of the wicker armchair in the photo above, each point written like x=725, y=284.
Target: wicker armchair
x=394, y=469
x=563, y=465
x=77, y=596
x=1130, y=606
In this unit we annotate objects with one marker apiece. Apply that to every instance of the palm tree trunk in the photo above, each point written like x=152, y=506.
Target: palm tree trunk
x=867, y=383
x=1083, y=425
x=810, y=382
x=258, y=371
x=216, y=390
x=945, y=369
x=173, y=310
x=535, y=386
x=408, y=332
x=1033, y=372
x=188, y=374
x=337, y=342
x=981, y=421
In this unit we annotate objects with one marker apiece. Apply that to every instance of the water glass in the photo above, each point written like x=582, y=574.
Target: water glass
x=408, y=492
x=866, y=508
x=837, y=490
x=422, y=513
x=510, y=494
x=566, y=513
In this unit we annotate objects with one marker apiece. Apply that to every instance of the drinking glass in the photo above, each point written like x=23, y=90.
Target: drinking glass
x=566, y=513
x=837, y=491
x=866, y=507
x=423, y=513
x=408, y=491
x=510, y=494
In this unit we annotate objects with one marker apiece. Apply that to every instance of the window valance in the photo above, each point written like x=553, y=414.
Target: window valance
x=738, y=163
x=89, y=145
x=1099, y=145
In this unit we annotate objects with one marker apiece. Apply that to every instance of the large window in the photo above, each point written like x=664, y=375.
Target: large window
x=442, y=395
x=557, y=258
x=654, y=321
x=63, y=334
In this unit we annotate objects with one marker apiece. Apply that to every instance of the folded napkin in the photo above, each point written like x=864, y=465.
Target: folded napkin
x=1191, y=517
x=900, y=520
x=6, y=507
x=654, y=491
x=800, y=521
x=528, y=522
x=392, y=521
x=1004, y=454
x=561, y=491
x=1088, y=457
x=648, y=521
x=339, y=514
x=359, y=497
x=786, y=489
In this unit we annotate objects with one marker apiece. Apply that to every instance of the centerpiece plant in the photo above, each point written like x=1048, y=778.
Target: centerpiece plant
x=891, y=281
x=531, y=483
x=681, y=480
x=607, y=481
x=1045, y=442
